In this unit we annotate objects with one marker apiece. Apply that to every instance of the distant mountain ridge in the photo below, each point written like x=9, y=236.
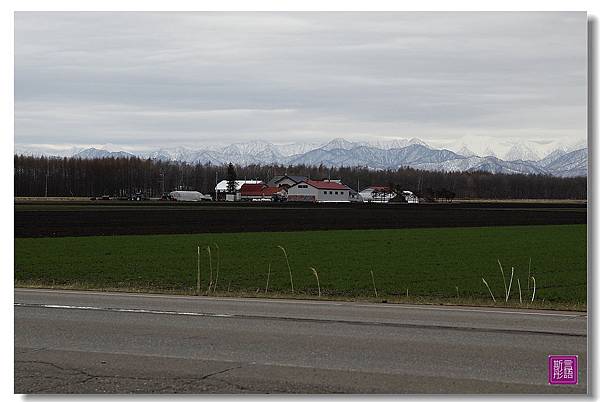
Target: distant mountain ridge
x=393, y=154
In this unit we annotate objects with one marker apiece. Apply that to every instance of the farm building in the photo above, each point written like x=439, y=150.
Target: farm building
x=382, y=194
x=319, y=191
x=377, y=194
x=189, y=196
x=410, y=197
x=221, y=189
x=285, y=181
x=261, y=192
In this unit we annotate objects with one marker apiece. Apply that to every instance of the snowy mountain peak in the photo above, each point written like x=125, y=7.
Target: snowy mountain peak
x=521, y=151
x=465, y=151
x=511, y=156
x=340, y=143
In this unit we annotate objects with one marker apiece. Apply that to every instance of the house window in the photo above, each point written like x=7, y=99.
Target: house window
x=341, y=192
x=336, y=192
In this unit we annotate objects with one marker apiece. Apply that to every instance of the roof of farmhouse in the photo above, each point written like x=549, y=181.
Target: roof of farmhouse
x=375, y=188
x=277, y=179
x=258, y=189
x=326, y=185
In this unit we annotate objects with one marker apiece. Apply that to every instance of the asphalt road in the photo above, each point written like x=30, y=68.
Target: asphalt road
x=87, y=342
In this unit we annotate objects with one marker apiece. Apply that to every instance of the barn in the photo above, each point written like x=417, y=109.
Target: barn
x=319, y=191
x=261, y=192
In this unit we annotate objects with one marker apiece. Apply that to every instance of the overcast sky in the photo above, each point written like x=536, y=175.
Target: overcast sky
x=148, y=80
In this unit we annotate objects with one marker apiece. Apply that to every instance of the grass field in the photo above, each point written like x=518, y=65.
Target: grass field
x=430, y=263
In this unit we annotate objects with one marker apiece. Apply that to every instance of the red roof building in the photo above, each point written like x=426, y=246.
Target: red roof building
x=257, y=191
x=326, y=185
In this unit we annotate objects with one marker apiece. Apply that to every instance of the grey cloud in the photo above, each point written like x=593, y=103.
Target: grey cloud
x=143, y=78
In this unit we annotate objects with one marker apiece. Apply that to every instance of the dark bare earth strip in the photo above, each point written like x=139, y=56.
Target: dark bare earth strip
x=129, y=219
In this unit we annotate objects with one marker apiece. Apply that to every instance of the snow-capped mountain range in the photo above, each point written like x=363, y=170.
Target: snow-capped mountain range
x=558, y=158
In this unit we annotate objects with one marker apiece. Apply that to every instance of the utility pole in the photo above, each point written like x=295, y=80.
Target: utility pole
x=162, y=182
x=47, y=173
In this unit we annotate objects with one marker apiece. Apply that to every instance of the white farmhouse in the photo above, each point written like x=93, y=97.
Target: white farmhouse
x=319, y=191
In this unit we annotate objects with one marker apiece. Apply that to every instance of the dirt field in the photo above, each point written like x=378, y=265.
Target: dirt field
x=114, y=218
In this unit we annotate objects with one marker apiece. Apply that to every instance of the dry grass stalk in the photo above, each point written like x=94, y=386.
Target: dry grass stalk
x=529, y=273
x=512, y=272
x=488, y=287
x=316, y=276
x=268, y=276
x=218, y=265
x=520, y=297
x=457, y=294
x=289, y=268
x=210, y=266
x=374, y=288
x=503, y=279
x=533, y=296
x=198, y=275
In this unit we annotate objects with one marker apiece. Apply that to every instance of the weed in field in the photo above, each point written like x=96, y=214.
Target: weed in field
x=218, y=265
x=512, y=272
x=198, y=275
x=210, y=282
x=373, y=279
x=288, y=265
x=488, y=287
x=533, y=296
x=268, y=276
x=317, y=276
x=520, y=297
x=503, y=279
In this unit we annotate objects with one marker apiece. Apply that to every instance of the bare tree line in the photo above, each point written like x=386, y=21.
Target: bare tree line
x=64, y=177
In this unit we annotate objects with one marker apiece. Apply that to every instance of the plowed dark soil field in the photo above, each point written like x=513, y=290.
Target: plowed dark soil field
x=116, y=218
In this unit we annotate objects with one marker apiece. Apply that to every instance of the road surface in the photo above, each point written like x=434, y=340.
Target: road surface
x=91, y=342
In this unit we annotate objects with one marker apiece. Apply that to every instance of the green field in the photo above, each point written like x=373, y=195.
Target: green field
x=430, y=263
